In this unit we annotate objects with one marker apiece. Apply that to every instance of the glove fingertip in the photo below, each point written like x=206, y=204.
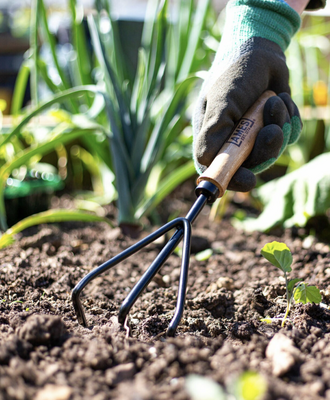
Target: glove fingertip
x=243, y=180
x=275, y=112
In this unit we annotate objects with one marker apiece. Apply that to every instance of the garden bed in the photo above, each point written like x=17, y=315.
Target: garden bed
x=45, y=354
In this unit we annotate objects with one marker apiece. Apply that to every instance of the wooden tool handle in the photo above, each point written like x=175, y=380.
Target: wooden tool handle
x=237, y=148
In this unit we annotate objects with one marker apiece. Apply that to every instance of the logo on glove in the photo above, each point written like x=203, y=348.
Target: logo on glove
x=241, y=131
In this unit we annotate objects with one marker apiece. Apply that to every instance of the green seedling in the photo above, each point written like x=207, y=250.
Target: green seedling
x=204, y=255
x=280, y=256
x=16, y=302
x=249, y=385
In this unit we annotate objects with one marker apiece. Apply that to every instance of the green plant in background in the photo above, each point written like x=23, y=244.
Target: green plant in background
x=280, y=256
x=308, y=62
x=14, y=153
x=294, y=198
x=85, y=110
x=132, y=126
x=23, y=146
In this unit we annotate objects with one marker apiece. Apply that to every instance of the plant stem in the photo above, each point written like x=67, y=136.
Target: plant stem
x=34, y=52
x=287, y=299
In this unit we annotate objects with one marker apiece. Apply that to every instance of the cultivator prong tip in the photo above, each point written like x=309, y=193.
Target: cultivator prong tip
x=171, y=331
x=78, y=307
x=123, y=313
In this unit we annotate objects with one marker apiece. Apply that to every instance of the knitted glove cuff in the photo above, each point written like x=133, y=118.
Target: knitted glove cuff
x=268, y=19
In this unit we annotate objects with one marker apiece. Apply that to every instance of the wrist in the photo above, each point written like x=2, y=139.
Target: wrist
x=269, y=19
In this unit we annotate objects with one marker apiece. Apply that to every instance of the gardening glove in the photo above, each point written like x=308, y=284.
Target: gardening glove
x=250, y=60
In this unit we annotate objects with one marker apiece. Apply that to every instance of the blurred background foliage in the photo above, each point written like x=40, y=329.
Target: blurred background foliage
x=85, y=84
x=109, y=103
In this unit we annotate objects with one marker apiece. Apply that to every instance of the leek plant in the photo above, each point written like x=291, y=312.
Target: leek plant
x=133, y=128
x=148, y=111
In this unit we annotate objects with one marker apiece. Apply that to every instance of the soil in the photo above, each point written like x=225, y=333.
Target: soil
x=46, y=355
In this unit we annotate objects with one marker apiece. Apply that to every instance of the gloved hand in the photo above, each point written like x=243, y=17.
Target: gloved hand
x=249, y=61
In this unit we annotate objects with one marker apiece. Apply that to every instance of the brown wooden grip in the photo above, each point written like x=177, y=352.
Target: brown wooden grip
x=237, y=148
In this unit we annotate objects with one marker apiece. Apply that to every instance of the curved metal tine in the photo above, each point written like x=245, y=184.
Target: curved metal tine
x=75, y=296
x=152, y=270
x=183, y=280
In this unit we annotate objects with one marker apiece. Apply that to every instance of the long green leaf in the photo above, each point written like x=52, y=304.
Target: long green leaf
x=172, y=55
x=80, y=44
x=20, y=87
x=49, y=217
x=100, y=148
x=140, y=141
x=158, y=48
x=111, y=80
x=295, y=63
x=149, y=29
x=154, y=45
x=43, y=71
x=193, y=39
x=114, y=49
x=52, y=45
x=183, y=28
x=35, y=8
x=166, y=186
x=154, y=144
x=140, y=78
x=24, y=157
x=172, y=131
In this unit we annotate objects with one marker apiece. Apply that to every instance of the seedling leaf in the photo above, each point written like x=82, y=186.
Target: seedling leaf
x=307, y=294
x=291, y=284
x=279, y=255
x=250, y=386
x=201, y=388
x=47, y=217
x=268, y=320
x=204, y=255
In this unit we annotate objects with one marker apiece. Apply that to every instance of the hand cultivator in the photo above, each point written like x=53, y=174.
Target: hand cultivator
x=211, y=185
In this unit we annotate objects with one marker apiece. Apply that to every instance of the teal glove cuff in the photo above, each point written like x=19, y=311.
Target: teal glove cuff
x=268, y=19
